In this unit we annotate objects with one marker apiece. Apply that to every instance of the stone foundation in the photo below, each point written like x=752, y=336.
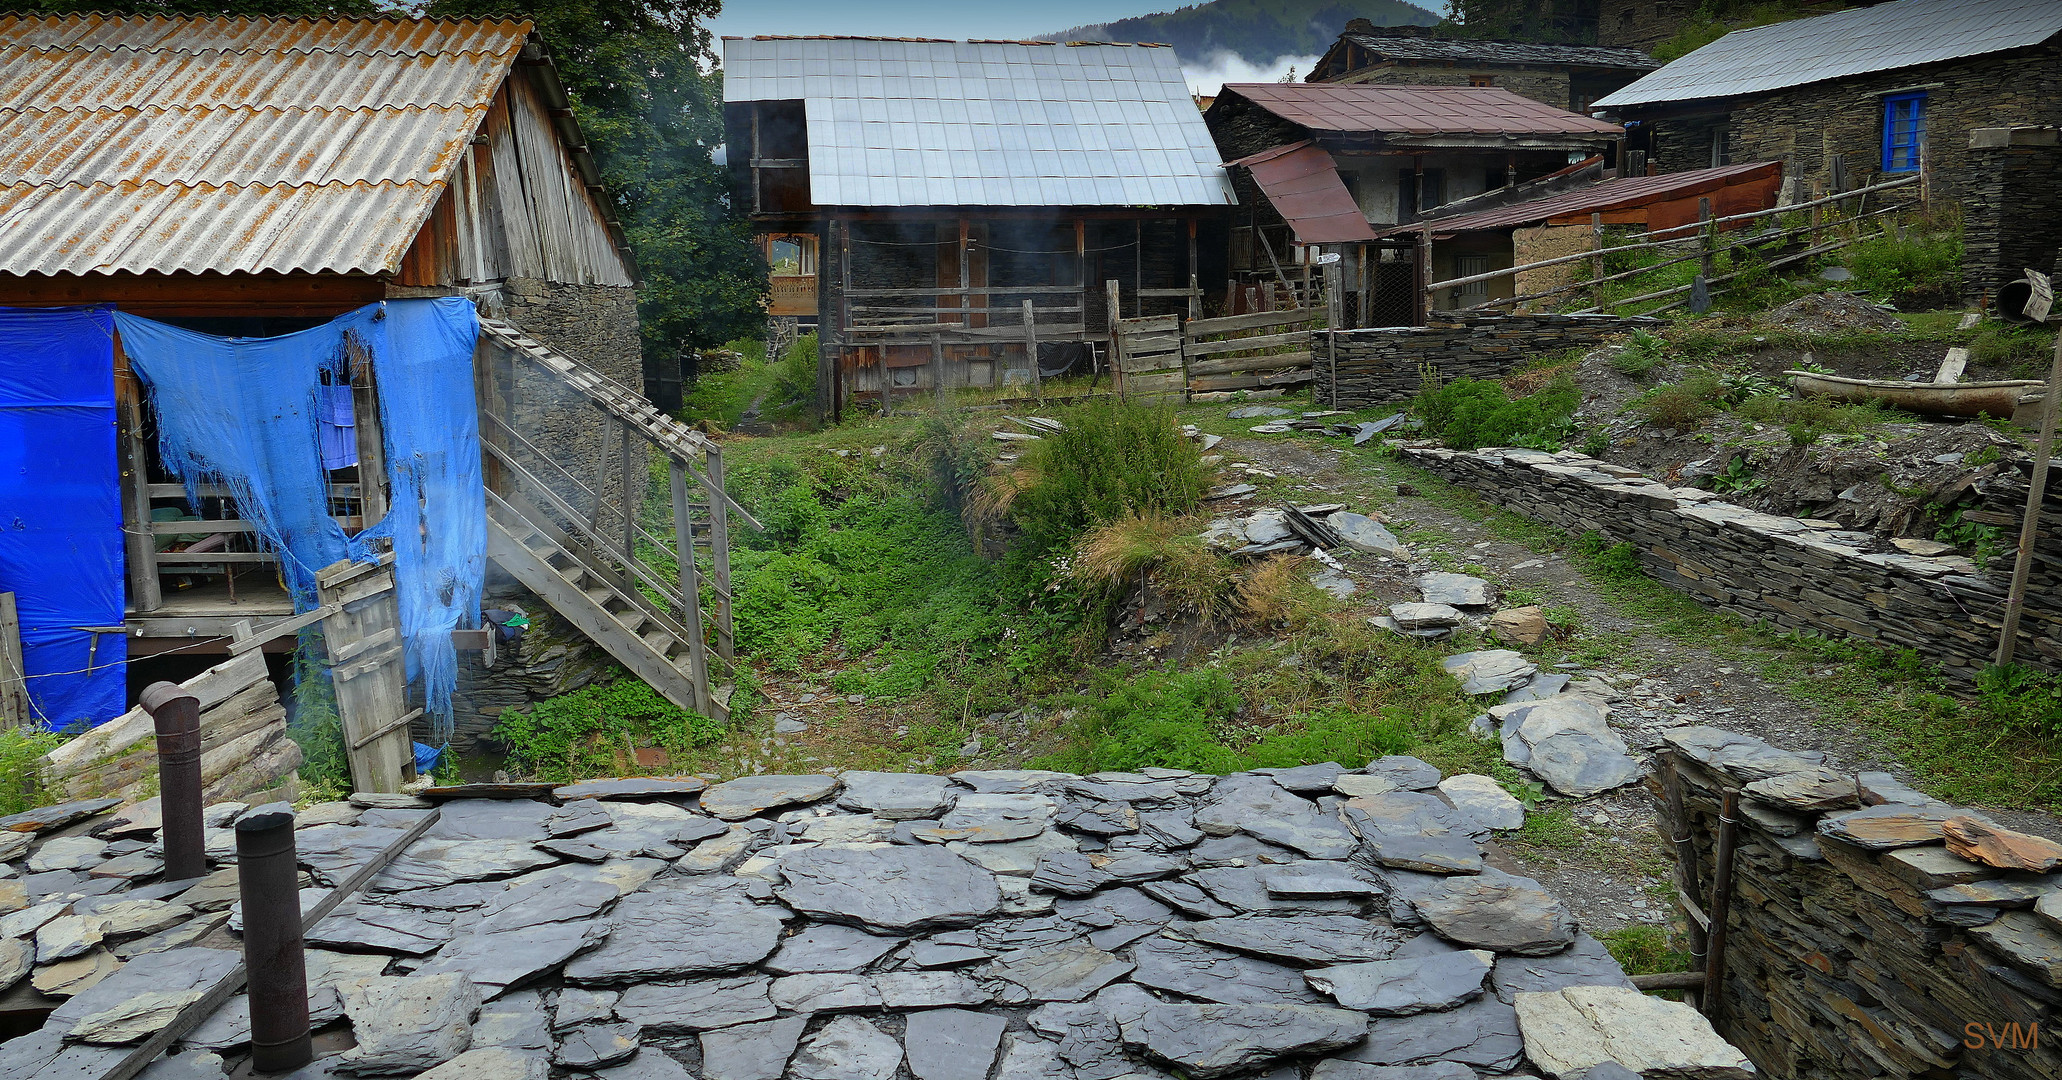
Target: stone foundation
x=1791, y=572
x=553, y=658
x=1858, y=945
x=1360, y=368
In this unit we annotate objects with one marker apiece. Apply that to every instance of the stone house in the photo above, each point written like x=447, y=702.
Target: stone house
x=1854, y=95
x=1563, y=76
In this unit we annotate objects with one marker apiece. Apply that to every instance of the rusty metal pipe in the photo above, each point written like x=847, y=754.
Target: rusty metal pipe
x=1721, y=898
x=176, y=713
x=272, y=950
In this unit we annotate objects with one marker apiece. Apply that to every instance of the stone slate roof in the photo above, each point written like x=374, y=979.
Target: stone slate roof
x=874, y=925
x=1526, y=53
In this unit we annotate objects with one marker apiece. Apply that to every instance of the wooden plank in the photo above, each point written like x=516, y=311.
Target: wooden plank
x=1235, y=364
x=1151, y=362
x=15, y=709
x=362, y=646
x=1154, y=342
x=371, y=692
x=281, y=629
x=719, y=557
x=146, y=591
x=391, y=726
x=690, y=589
x=1152, y=324
x=1257, y=321
x=1153, y=383
x=1246, y=382
x=1268, y=341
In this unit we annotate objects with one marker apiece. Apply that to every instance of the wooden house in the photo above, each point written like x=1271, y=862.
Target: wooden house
x=1563, y=76
x=253, y=177
x=971, y=203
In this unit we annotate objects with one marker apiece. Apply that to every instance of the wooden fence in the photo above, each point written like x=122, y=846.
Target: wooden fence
x=1210, y=359
x=1773, y=246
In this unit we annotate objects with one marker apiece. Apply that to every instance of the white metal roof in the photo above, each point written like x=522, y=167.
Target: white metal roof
x=986, y=123
x=1901, y=34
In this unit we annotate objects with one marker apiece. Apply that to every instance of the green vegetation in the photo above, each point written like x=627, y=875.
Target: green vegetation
x=1468, y=413
x=1646, y=949
x=1110, y=460
x=1641, y=355
x=316, y=727
x=596, y=731
x=1985, y=542
x=796, y=375
x=21, y=778
x=1717, y=18
x=1259, y=31
x=1912, y=267
x=720, y=398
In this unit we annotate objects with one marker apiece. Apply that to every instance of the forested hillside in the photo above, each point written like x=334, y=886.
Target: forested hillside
x=1255, y=30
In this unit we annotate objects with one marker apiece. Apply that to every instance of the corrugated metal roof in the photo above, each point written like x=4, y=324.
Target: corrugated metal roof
x=191, y=145
x=1904, y=33
x=1304, y=187
x=1462, y=50
x=1364, y=108
x=984, y=123
x=1597, y=198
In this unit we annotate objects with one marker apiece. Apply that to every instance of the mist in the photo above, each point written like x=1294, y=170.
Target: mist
x=1210, y=74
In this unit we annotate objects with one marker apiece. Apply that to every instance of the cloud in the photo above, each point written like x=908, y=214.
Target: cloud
x=1223, y=66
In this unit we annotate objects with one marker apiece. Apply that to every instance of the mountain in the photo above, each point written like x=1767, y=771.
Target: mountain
x=1257, y=31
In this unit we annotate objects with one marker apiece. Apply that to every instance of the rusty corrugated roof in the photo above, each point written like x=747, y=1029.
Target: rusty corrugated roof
x=1304, y=186
x=165, y=145
x=1368, y=108
x=1601, y=196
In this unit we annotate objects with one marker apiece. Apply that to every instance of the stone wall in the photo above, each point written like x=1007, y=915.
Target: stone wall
x=1873, y=932
x=1360, y=368
x=1641, y=24
x=597, y=326
x=1790, y=572
x=552, y=658
x=2011, y=206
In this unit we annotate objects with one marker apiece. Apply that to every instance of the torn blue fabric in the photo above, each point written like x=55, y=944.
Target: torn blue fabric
x=60, y=511
x=249, y=413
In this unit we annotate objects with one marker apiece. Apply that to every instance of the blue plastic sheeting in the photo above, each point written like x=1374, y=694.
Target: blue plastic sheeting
x=427, y=756
x=249, y=412
x=60, y=509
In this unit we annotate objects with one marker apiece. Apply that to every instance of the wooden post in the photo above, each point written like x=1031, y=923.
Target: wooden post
x=1195, y=290
x=1596, y=232
x=1423, y=312
x=15, y=709
x=690, y=588
x=1031, y=349
x=1113, y=300
x=633, y=500
x=146, y=592
x=719, y=553
x=1704, y=236
x=1925, y=177
x=372, y=446
x=2030, y=524
x=1335, y=287
x=938, y=364
x=368, y=671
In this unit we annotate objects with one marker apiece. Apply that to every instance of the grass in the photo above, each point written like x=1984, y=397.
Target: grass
x=1467, y=413
x=21, y=779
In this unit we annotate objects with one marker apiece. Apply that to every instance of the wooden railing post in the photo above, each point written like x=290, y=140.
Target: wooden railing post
x=1596, y=233
x=690, y=589
x=633, y=500
x=719, y=553
x=15, y=709
x=1031, y=349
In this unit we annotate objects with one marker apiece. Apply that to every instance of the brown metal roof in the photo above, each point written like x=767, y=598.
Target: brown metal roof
x=1365, y=108
x=1304, y=187
x=169, y=145
x=1605, y=196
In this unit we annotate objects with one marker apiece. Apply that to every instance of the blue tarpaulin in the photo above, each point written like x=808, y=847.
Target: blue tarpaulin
x=251, y=413
x=60, y=509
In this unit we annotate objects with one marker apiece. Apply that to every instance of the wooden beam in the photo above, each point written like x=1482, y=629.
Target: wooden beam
x=690, y=591
x=139, y=547
x=15, y=709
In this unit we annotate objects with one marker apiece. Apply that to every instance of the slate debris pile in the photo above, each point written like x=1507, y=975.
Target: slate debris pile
x=1871, y=925
x=1300, y=922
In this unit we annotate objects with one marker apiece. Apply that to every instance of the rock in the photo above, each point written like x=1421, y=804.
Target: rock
x=1459, y=590
x=1026, y=1057
x=492, y=1063
x=751, y=1051
x=632, y=787
x=1097, y=817
x=1306, y=939
x=848, y=1048
x=1483, y=1033
x=1402, y=771
x=1362, y=534
x=1065, y=972
x=375, y=927
x=499, y=960
x=750, y=795
x=2026, y=941
x=1585, y=963
x=895, y=889
x=928, y=990
x=1923, y=548
x=1334, y=584
x=595, y=1046
x=789, y=725
x=829, y=947
x=1249, y=412
x=1569, y=1032
x=1489, y=671
x=135, y=1019
x=1068, y=873
x=952, y=1044
x=14, y=845
x=1210, y=1041
x=1491, y=910
x=134, y=918
x=992, y=818
x=2048, y=908
x=579, y=817
x=719, y=853
x=1195, y=971
x=1520, y=625
x=896, y=796
x=432, y=863
x=1305, y=779
x=1404, y=987
x=824, y=992
x=67, y=936
x=1996, y=893
x=696, y=1005
x=66, y=978
x=1415, y=844
x=1247, y=888
x=1424, y=616
x=515, y=1021
x=1992, y=845
x=940, y=954
x=1484, y=800
x=1568, y=744
x=46, y=818
x=1740, y=758
x=67, y=853
x=1014, y=857
x=1341, y=1069
x=1889, y=826
x=646, y=1064
x=680, y=926
x=1259, y=807
x=1809, y=790
x=1538, y=688
x=17, y=956
x=1269, y=526
x=1187, y=898
x=408, y=1024
x=576, y=1006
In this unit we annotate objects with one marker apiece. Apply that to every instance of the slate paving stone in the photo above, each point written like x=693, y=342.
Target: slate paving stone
x=1426, y=850
x=1247, y=888
x=133, y=1020
x=408, y=1024
x=646, y=1064
x=428, y=864
x=1008, y=781
x=575, y=818
x=492, y=1063
x=1188, y=898
x=937, y=955
x=17, y=957
x=928, y=989
x=516, y=1021
x=1027, y=1057
x=848, y=1048
x=1240, y=850
x=67, y=936
x=1014, y=857
x=896, y=796
x=952, y=1044
x=1489, y=671
x=492, y=819
x=1097, y=817
x=992, y=818
x=1340, y=1069
x=829, y=947
x=1740, y=758
x=576, y=1006
x=751, y=1051
x=594, y=1046
x=379, y=928
x=535, y=900
x=746, y=796
x=892, y=889
x=1406, y=987
x=632, y=787
x=1887, y=827
x=1303, y=939
x=1068, y=971
x=1459, y=590
x=696, y=1004
x=824, y=992
x=1172, y=828
x=1068, y=873
x=1482, y=1033
x=1484, y=800
x=47, y=818
x=1403, y=772
x=1491, y=910
x=1810, y=790
x=1183, y=967
x=1584, y=963
x=1305, y=779
x=2027, y=942
x=67, y=853
x=1210, y=1041
x=1572, y=1032
x=676, y=927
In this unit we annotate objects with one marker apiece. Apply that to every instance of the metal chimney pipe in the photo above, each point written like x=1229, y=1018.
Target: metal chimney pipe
x=272, y=951
x=176, y=713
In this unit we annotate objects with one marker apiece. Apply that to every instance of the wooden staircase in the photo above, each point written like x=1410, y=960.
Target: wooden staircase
x=641, y=635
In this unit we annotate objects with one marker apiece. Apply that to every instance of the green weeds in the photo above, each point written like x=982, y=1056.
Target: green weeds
x=597, y=731
x=1468, y=413
x=21, y=777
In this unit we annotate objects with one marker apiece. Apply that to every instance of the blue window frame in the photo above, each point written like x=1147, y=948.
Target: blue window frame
x=1904, y=131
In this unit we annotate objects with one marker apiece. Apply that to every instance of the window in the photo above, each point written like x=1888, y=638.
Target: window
x=1904, y=131
x=1407, y=202
x=1481, y=80
x=1467, y=296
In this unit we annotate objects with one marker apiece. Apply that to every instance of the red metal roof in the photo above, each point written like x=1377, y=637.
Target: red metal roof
x=1305, y=188
x=1332, y=108
x=1608, y=195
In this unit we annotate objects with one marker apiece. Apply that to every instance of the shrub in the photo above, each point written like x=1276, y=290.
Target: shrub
x=1278, y=592
x=1916, y=270
x=1183, y=570
x=595, y=731
x=1607, y=560
x=1469, y=413
x=1166, y=719
x=1676, y=406
x=1640, y=356
x=21, y=778
x=2025, y=699
x=1111, y=459
x=795, y=376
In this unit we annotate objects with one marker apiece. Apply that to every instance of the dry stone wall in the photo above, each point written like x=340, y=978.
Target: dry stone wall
x=1874, y=932
x=1792, y=572
x=1360, y=368
x=2011, y=206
